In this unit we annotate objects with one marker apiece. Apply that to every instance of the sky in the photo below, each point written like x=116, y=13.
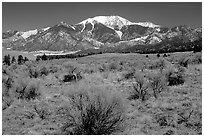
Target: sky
x=24, y=16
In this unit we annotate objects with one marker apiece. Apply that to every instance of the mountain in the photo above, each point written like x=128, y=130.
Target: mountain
x=101, y=32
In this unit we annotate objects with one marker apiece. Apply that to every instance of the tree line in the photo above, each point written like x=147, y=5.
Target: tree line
x=20, y=60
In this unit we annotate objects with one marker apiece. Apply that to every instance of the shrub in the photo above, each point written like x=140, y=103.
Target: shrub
x=158, y=55
x=33, y=72
x=113, y=66
x=93, y=112
x=174, y=77
x=42, y=109
x=54, y=68
x=165, y=55
x=158, y=84
x=72, y=76
x=183, y=61
x=44, y=71
x=158, y=64
x=184, y=117
x=32, y=90
x=7, y=81
x=102, y=68
x=129, y=74
x=70, y=67
x=26, y=88
x=7, y=98
x=196, y=59
x=140, y=89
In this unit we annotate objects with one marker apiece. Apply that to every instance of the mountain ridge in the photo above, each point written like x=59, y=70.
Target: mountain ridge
x=97, y=32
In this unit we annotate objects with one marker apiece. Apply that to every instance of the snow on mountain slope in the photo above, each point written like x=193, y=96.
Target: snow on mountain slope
x=27, y=34
x=44, y=29
x=119, y=33
x=84, y=22
x=97, y=32
x=109, y=21
x=148, y=24
x=113, y=21
x=117, y=21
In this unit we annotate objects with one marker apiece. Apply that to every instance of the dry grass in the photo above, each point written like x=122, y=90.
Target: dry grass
x=170, y=106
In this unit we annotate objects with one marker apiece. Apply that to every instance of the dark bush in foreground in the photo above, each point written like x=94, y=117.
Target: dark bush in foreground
x=93, y=113
x=140, y=89
x=72, y=76
x=174, y=77
x=42, y=109
x=7, y=98
x=26, y=88
x=158, y=84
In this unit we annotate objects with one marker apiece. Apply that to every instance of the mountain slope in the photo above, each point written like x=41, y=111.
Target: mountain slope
x=100, y=32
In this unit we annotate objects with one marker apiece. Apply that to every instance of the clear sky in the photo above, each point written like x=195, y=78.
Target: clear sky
x=25, y=16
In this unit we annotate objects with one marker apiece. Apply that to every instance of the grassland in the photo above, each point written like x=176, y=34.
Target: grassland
x=36, y=97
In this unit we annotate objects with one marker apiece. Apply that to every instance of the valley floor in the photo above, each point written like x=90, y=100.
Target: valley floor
x=175, y=110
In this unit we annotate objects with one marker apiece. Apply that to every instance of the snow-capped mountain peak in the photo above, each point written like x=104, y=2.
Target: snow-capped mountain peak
x=113, y=21
x=109, y=21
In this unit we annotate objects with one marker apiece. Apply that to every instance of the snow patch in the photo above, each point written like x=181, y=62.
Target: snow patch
x=112, y=21
x=29, y=33
x=44, y=29
x=140, y=39
x=72, y=27
x=148, y=24
x=119, y=33
x=46, y=52
x=84, y=22
x=154, y=40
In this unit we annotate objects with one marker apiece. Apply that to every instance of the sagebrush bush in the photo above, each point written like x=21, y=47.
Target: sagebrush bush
x=196, y=59
x=114, y=66
x=92, y=111
x=174, y=77
x=129, y=74
x=33, y=72
x=44, y=71
x=42, y=109
x=54, y=68
x=26, y=88
x=7, y=98
x=183, y=61
x=158, y=84
x=102, y=68
x=158, y=64
x=69, y=67
x=140, y=88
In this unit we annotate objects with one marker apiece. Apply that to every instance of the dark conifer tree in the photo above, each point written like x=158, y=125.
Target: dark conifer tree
x=20, y=59
x=13, y=60
x=44, y=57
x=26, y=59
x=6, y=60
x=38, y=58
